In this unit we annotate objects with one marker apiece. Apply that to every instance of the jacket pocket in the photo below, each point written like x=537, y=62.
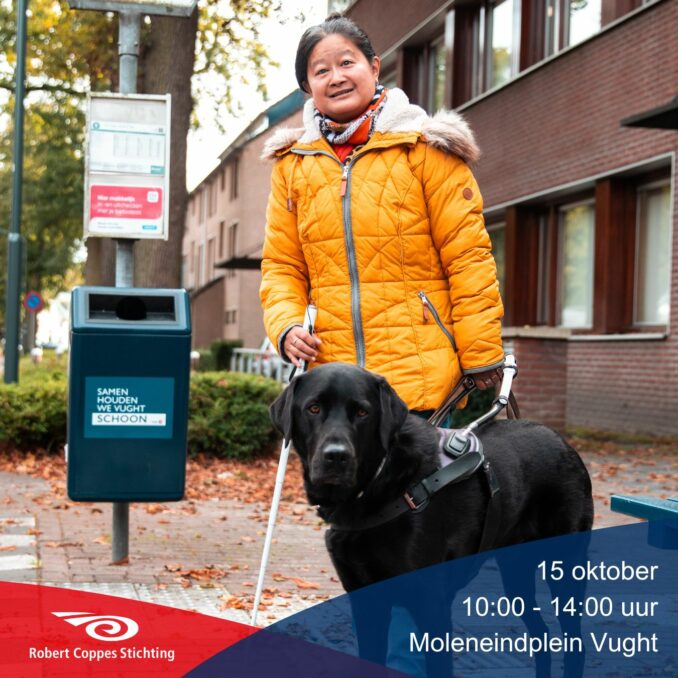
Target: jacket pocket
x=426, y=308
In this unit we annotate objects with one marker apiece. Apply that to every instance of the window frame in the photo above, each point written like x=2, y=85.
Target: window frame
x=533, y=262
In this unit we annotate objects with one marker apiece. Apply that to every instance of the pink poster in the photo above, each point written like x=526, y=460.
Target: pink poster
x=125, y=202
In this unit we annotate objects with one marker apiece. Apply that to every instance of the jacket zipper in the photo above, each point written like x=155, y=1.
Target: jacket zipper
x=345, y=194
x=427, y=306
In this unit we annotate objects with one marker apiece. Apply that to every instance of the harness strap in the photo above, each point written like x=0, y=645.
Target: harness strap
x=493, y=515
x=512, y=409
x=416, y=499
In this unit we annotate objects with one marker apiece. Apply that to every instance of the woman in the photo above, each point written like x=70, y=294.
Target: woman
x=375, y=216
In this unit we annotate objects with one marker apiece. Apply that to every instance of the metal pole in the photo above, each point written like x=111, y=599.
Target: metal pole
x=12, y=307
x=129, y=33
x=124, y=263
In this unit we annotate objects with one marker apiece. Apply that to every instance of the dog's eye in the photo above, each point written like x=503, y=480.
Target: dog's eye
x=314, y=409
x=361, y=412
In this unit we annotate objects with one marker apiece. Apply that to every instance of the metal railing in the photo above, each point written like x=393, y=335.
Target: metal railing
x=254, y=361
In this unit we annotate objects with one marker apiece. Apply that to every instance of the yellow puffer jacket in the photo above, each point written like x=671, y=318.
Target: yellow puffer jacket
x=390, y=246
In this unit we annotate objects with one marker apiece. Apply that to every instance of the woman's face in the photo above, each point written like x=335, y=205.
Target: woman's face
x=340, y=78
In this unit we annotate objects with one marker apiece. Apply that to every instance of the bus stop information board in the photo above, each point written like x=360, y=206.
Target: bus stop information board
x=127, y=166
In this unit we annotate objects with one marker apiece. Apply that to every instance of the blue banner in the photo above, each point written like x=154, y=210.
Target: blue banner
x=601, y=603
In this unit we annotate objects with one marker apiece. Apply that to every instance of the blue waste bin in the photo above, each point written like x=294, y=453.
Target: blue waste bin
x=128, y=385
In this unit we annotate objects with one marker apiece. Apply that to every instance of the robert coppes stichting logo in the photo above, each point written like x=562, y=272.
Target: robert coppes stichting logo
x=108, y=628
x=113, y=628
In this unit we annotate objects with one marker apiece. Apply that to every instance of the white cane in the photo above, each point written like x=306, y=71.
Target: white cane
x=309, y=322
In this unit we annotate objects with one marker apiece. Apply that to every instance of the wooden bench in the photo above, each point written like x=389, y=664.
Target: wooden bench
x=662, y=514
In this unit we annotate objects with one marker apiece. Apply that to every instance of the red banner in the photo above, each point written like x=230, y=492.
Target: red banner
x=47, y=631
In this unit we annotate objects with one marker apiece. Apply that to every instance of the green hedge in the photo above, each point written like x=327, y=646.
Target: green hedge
x=228, y=413
x=33, y=415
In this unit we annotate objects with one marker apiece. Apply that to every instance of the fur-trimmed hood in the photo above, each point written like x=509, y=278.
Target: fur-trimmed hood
x=446, y=130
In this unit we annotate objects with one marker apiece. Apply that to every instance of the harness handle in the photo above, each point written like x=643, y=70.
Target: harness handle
x=466, y=385
x=502, y=400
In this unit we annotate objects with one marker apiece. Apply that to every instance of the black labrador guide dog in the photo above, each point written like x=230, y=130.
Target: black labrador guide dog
x=362, y=451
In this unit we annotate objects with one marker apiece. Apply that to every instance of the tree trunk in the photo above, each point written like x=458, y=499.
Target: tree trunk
x=100, y=264
x=167, y=68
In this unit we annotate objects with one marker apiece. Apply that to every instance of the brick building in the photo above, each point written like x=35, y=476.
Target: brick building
x=580, y=207
x=224, y=234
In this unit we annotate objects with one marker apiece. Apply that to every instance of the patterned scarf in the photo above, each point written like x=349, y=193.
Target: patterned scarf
x=355, y=132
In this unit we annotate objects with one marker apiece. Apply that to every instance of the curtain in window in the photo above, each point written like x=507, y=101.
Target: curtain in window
x=652, y=256
x=576, y=265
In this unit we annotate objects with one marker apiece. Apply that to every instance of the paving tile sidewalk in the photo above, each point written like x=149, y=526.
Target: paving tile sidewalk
x=169, y=541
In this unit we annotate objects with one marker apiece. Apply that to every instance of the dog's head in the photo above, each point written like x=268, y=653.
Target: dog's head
x=341, y=420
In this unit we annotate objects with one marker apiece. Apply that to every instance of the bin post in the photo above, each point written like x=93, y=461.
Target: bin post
x=128, y=51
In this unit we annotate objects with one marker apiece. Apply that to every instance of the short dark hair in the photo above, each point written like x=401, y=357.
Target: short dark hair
x=335, y=23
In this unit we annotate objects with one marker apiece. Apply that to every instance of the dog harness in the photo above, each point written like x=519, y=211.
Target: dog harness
x=460, y=455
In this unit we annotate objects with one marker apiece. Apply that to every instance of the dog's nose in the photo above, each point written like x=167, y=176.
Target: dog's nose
x=335, y=454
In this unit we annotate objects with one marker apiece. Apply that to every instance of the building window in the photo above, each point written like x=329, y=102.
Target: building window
x=425, y=74
x=497, y=233
x=199, y=266
x=503, y=41
x=582, y=20
x=211, y=246
x=575, y=265
x=203, y=204
x=569, y=22
x=213, y=196
x=652, y=269
x=437, y=72
x=222, y=179
x=222, y=229
x=232, y=245
x=234, y=179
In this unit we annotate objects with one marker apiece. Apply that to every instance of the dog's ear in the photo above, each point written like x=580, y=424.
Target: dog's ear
x=393, y=413
x=281, y=410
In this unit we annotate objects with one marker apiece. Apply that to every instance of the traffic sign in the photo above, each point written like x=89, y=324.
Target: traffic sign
x=33, y=302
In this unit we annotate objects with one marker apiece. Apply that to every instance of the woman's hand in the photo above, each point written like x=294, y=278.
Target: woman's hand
x=487, y=379
x=301, y=345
